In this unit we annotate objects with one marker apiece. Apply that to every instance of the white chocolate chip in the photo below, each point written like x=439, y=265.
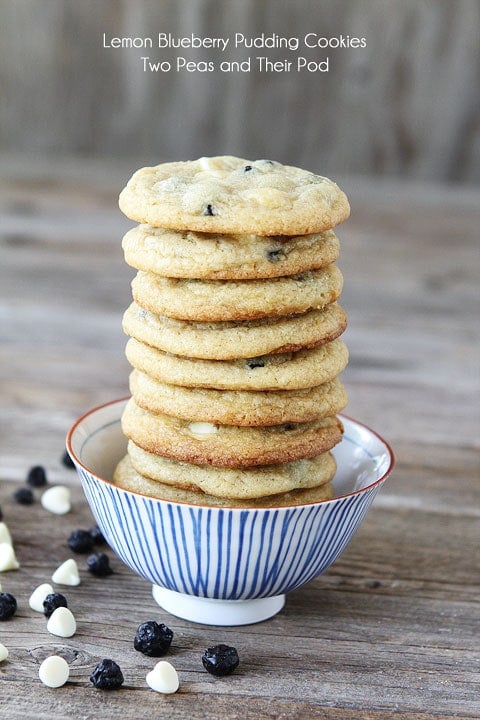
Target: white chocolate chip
x=211, y=166
x=67, y=573
x=54, y=671
x=8, y=561
x=5, y=536
x=62, y=623
x=3, y=652
x=57, y=500
x=202, y=428
x=38, y=596
x=205, y=163
x=268, y=197
x=163, y=678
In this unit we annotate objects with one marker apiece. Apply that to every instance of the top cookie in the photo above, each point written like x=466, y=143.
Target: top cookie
x=230, y=195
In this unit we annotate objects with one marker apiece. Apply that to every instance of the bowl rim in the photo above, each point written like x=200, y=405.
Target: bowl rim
x=353, y=493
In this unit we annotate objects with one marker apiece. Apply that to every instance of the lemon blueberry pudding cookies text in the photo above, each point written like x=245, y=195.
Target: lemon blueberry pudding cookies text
x=235, y=333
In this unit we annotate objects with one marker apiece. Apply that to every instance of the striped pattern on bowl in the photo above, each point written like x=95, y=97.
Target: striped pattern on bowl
x=226, y=553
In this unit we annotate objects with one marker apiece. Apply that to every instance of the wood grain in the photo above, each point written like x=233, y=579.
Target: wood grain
x=391, y=629
x=406, y=105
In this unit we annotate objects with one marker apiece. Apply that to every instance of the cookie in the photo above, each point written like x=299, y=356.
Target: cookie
x=228, y=340
x=226, y=257
x=238, y=407
x=280, y=371
x=234, y=483
x=203, y=443
x=128, y=478
x=231, y=195
x=223, y=300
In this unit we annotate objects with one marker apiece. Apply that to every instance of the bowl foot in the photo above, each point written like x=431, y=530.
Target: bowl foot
x=209, y=611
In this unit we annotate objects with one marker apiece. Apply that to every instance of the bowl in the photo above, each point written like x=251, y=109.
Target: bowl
x=224, y=566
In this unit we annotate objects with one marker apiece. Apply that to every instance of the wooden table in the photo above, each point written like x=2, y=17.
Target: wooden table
x=392, y=629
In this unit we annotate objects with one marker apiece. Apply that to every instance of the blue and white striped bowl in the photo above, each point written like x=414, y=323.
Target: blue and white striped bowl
x=224, y=566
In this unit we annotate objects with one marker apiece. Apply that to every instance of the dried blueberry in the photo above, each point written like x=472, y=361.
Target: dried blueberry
x=247, y=168
x=209, y=210
x=24, y=496
x=67, y=461
x=107, y=675
x=276, y=255
x=52, y=602
x=97, y=535
x=255, y=363
x=80, y=541
x=153, y=639
x=286, y=426
x=99, y=564
x=8, y=606
x=37, y=477
x=220, y=660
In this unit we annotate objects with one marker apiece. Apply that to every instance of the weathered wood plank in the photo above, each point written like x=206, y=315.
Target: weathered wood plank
x=404, y=105
x=402, y=592
x=215, y=707
x=391, y=630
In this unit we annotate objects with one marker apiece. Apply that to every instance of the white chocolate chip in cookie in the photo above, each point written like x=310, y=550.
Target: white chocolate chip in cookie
x=211, y=166
x=202, y=428
x=268, y=198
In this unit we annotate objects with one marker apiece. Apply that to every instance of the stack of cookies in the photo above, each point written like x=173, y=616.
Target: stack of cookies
x=234, y=333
